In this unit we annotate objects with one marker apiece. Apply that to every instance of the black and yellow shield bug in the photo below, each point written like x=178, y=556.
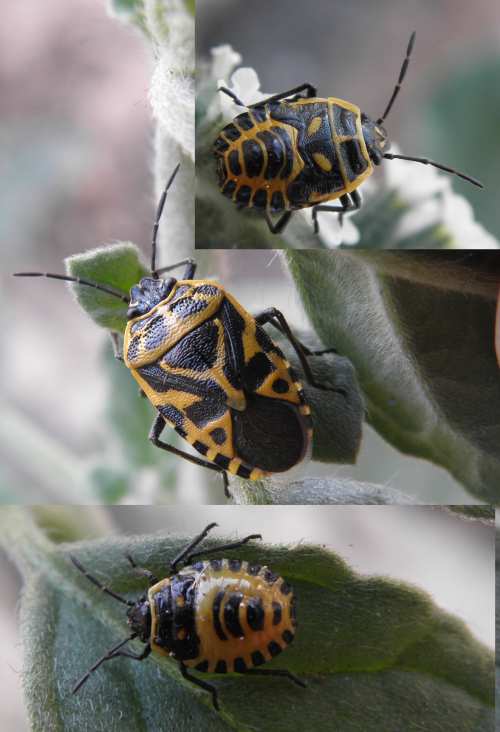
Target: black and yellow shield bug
x=212, y=371
x=218, y=616
x=295, y=150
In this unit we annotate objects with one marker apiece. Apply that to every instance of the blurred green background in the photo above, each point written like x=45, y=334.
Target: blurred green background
x=449, y=107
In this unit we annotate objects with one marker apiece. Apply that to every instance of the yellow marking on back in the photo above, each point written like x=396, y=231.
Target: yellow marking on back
x=322, y=161
x=349, y=186
x=314, y=126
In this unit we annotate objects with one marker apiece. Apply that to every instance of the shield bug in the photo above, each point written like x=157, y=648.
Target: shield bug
x=295, y=150
x=216, y=616
x=212, y=371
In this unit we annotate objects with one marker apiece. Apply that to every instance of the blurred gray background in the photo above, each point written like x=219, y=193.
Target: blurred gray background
x=76, y=160
x=449, y=107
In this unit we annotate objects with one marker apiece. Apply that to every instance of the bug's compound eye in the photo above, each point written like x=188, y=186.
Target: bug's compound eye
x=375, y=138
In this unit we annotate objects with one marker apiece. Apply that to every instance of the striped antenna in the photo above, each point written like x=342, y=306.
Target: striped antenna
x=78, y=281
x=402, y=74
x=426, y=161
x=156, y=224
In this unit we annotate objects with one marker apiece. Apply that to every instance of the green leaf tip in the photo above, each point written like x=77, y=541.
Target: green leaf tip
x=119, y=266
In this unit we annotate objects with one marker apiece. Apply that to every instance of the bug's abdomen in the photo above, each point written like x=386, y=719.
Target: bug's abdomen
x=244, y=615
x=255, y=159
x=322, y=154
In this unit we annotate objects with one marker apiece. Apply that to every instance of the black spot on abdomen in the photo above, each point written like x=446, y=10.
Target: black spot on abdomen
x=268, y=434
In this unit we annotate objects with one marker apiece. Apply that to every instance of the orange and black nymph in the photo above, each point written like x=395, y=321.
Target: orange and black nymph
x=215, y=616
x=296, y=150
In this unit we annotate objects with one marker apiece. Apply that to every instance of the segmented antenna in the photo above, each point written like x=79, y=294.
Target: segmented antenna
x=98, y=584
x=426, y=161
x=77, y=280
x=402, y=74
x=156, y=224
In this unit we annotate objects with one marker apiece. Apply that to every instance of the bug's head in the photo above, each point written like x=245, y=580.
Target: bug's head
x=377, y=142
x=139, y=619
x=148, y=293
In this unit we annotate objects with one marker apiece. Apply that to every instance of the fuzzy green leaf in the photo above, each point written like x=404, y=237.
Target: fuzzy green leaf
x=315, y=491
x=118, y=266
x=376, y=654
x=419, y=329
x=336, y=403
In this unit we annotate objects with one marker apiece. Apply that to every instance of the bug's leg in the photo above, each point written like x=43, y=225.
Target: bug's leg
x=305, y=348
x=231, y=94
x=202, y=684
x=117, y=345
x=279, y=226
x=273, y=314
x=145, y=572
x=134, y=656
x=114, y=652
x=154, y=436
x=181, y=557
x=222, y=548
x=310, y=91
x=349, y=202
x=188, y=273
x=277, y=672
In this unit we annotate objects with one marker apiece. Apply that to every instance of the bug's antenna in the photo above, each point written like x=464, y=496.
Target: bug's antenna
x=78, y=280
x=98, y=584
x=402, y=74
x=156, y=224
x=426, y=161
x=107, y=657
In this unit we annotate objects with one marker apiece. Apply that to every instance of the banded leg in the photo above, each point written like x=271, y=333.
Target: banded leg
x=152, y=579
x=273, y=314
x=154, y=436
x=277, y=672
x=279, y=226
x=202, y=684
x=349, y=202
x=114, y=652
